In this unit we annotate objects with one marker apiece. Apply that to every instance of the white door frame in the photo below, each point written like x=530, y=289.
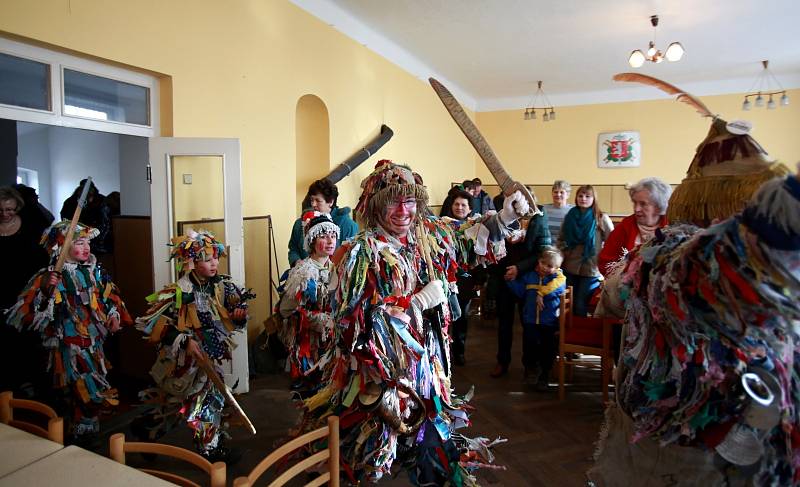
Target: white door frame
x=161, y=151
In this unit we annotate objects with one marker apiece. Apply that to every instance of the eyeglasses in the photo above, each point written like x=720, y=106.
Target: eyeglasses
x=407, y=204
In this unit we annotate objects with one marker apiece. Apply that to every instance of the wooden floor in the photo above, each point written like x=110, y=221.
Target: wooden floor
x=549, y=442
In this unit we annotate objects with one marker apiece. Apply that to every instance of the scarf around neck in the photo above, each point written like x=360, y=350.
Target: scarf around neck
x=580, y=228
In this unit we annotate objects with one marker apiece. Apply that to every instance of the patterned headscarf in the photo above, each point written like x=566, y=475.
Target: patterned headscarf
x=316, y=224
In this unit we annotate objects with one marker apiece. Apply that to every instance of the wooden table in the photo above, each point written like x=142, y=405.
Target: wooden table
x=19, y=448
x=76, y=467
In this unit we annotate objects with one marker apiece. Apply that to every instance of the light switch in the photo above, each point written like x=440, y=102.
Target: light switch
x=187, y=179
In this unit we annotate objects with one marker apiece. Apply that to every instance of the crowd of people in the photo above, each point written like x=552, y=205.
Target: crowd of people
x=373, y=321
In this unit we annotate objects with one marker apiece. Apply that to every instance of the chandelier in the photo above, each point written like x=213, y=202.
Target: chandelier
x=546, y=108
x=674, y=51
x=763, y=85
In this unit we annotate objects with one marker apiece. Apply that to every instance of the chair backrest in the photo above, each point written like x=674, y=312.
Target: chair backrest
x=331, y=454
x=55, y=424
x=118, y=447
x=565, y=308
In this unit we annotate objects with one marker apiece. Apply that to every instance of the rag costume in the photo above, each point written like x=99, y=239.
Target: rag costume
x=197, y=309
x=707, y=382
x=305, y=306
x=388, y=374
x=540, y=343
x=341, y=217
x=73, y=321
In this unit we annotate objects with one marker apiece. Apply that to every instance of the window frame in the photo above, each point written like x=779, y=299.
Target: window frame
x=57, y=62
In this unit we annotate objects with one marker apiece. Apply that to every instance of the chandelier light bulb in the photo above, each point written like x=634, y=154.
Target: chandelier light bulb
x=527, y=115
x=759, y=101
x=552, y=114
x=636, y=59
x=771, y=103
x=533, y=114
x=652, y=51
x=674, y=52
x=545, y=118
x=746, y=105
x=784, y=100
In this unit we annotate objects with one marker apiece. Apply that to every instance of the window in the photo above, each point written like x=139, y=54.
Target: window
x=90, y=96
x=43, y=86
x=24, y=83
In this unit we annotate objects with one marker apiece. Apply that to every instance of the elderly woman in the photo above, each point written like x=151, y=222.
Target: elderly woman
x=650, y=198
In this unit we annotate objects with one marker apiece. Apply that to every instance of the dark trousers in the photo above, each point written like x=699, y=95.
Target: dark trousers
x=539, y=346
x=507, y=305
x=582, y=289
x=459, y=327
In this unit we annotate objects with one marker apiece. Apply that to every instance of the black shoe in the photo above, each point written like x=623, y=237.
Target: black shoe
x=223, y=454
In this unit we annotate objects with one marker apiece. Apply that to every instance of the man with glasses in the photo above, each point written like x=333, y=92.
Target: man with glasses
x=388, y=376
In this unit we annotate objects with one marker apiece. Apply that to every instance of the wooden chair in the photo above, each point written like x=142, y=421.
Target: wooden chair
x=583, y=335
x=331, y=454
x=55, y=424
x=118, y=447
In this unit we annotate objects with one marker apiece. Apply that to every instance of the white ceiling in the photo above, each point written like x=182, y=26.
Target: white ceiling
x=490, y=53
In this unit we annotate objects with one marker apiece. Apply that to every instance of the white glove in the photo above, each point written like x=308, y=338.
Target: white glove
x=430, y=296
x=511, y=212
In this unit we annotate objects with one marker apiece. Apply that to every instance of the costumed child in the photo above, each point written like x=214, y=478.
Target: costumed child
x=74, y=311
x=541, y=292
x=305, y=304
x=190, y=320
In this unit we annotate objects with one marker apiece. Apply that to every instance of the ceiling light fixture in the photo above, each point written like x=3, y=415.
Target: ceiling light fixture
x=674, y=51
x=764, y=87
x=549, y=113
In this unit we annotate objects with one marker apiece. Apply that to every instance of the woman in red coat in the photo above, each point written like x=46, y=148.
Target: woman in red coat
x=650, y=198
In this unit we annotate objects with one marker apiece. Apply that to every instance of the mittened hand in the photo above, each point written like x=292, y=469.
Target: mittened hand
x=431, y=295
x=514, y=207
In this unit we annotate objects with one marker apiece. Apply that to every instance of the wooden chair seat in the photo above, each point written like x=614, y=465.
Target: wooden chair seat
x=118, y=447
x=55, y=424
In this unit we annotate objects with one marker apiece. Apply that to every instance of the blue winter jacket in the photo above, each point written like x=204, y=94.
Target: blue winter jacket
x=529, y=286
x=347, y=230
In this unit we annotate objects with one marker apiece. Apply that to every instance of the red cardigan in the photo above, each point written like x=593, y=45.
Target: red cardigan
x=621, y=240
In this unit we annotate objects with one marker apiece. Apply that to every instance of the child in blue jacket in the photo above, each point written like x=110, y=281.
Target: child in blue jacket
x=541, y=292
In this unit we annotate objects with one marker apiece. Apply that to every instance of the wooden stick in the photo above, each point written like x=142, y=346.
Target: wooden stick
x=62, y=257
x=205, y=364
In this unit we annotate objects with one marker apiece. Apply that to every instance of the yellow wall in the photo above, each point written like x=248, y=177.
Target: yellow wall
x=538, y=153
x=237, y=69
x=312, y=144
